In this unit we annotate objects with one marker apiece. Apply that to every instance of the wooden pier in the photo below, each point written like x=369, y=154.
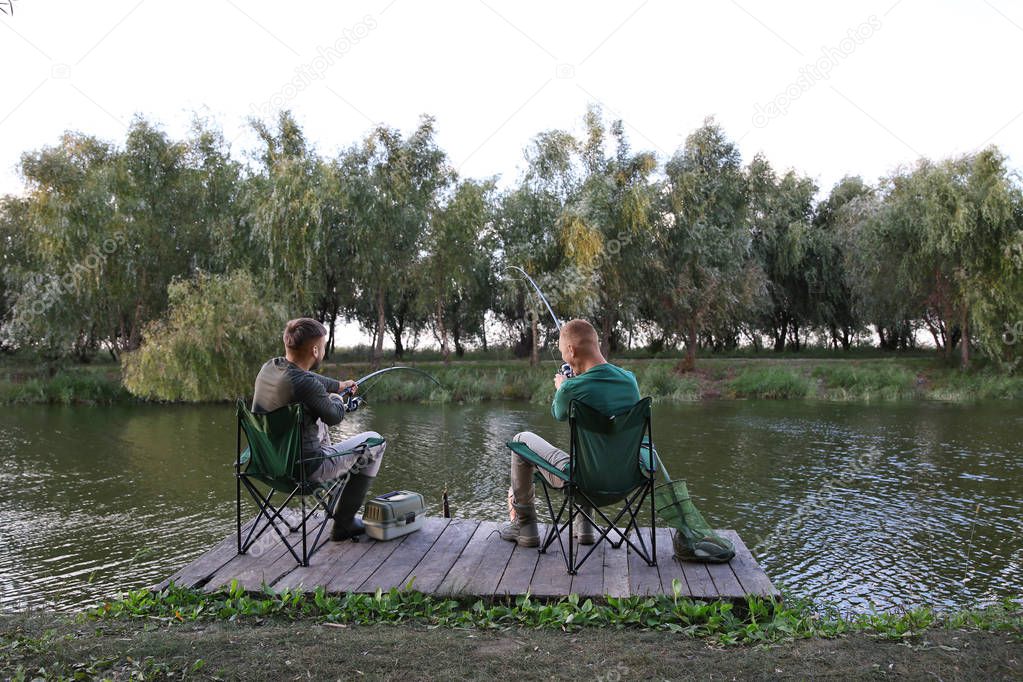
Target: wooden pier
x=467, y=558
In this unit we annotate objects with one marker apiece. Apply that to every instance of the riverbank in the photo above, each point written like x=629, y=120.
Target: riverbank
x=870, y=377
x=231, y=635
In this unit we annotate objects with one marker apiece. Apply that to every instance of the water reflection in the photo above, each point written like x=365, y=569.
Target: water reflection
x=863, y=505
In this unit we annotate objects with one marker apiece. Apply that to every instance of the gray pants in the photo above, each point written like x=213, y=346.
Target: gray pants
x=366, y=462
x=522, y=490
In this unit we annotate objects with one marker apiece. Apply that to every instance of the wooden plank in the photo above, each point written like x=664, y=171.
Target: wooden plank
x=249, y=567
x=701, y=585
x=333, y=557
x=725, y=581
x=589, y=581
x=484, y=574
x=667, y=565
x=375, y=555
x=198, y=571
x=464, y=556
x=551, y=578
x=616, y=571
x=748, y=572
x=285, y=563
x=468, y=560
x=430, y=572
x=519, y=571
x=643, y=579
x=395, y=571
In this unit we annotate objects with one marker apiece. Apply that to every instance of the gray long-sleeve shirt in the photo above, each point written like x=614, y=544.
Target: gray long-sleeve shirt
x=281, y=382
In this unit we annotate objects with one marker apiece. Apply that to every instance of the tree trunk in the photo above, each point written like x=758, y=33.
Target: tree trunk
x=330, y=331
x=444, y=351
x=378, y=348
x=456, y=339
x=688, y=363
x=965, y=348
x=779, y=336
x=605, y=336
x=534, y=352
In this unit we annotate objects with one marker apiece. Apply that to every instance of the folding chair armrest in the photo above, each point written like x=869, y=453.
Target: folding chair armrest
x=526, y=453
x=369, y=442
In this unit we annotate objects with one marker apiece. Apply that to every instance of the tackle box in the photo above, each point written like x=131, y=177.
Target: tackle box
x=394, y=514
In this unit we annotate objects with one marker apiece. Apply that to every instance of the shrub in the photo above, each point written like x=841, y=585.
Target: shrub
x=217, y=332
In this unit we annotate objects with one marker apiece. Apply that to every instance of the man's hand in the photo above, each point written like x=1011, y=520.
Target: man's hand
x=559, y=379
x=346, y=384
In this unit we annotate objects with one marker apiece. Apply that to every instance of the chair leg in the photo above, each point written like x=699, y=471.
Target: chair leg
x=552, y=531
x=305, y=549
x=653, y=525
x=570, y=557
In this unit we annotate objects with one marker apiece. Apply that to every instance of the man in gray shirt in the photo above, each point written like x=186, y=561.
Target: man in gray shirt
x=291, y=379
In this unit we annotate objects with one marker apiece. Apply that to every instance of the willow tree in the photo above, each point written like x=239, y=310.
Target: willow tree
x=781, y=213
x=704, y=272
x=971, y=222
x=456, y=269
x=394, y=200
x=209, y=343
x=836, y=304
x=607, y=226
x=286, y=212
x=530, y=235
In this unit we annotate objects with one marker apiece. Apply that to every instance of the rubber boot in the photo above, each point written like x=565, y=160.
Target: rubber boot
x=523, y=529
x=584, y=531
x=345, y=524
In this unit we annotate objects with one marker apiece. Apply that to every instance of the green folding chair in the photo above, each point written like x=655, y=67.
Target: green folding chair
x=274, y=459
x=611, y=465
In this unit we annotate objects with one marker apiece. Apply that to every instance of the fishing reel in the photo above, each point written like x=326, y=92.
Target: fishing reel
x=352, y=402
x=566, y=370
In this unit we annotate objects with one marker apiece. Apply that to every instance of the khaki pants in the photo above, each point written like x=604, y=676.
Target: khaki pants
x=522, y=490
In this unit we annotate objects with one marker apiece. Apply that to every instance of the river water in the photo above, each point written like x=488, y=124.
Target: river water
x=865, y=506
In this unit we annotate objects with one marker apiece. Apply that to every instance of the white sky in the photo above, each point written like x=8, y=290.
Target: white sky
x=927, y=78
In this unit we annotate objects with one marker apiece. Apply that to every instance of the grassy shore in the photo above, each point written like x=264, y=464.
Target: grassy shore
x=407, y=635
x=865, y=376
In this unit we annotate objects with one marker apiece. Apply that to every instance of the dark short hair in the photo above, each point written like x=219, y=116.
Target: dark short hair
x=302, y=330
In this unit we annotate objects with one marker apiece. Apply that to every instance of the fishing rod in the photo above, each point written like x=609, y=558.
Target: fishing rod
x=352, y=402
x=539, y=292
x=565, y=368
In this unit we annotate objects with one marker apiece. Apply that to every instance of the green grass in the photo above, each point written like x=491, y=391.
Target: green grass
x=755, y=621
x=868, y=381
x=74, y=385
x=768, y=376
x=772, y=382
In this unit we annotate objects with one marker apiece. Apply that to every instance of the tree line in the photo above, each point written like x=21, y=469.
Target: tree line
x=696, y=251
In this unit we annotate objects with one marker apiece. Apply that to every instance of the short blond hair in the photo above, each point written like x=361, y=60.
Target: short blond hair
x=581, y=335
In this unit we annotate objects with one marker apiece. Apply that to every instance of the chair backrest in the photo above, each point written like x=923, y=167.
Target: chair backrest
x=606, y=450
x=275, y=441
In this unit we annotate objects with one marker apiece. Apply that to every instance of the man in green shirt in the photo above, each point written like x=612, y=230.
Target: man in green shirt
x=606, y=388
